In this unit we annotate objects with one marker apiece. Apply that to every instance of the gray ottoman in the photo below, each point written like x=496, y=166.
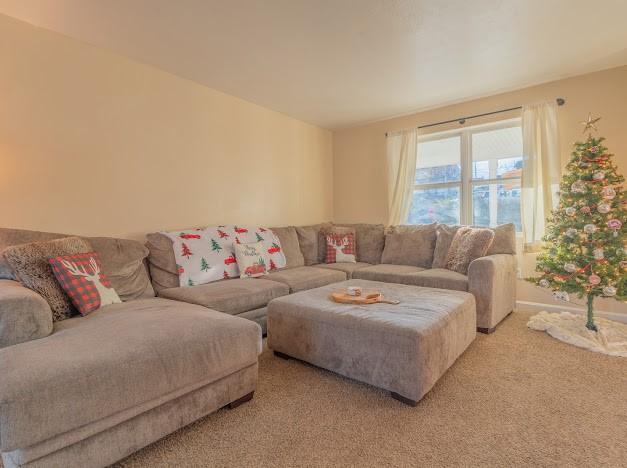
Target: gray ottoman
x=402, y=348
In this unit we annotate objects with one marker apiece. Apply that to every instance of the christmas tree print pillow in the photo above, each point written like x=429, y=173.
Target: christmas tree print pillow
x=80, y=276
x=269, y=240
x=251, y=259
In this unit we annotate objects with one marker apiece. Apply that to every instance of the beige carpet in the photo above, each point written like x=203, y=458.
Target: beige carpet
x=516, y=398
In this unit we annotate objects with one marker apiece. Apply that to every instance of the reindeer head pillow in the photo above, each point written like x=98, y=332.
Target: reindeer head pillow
x=80, y=276
x=340, y=247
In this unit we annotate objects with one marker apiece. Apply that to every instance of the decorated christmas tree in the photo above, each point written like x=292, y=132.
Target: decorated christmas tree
x=586, y=236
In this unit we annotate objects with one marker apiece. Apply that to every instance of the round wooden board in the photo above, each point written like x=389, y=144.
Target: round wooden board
x=344, y=298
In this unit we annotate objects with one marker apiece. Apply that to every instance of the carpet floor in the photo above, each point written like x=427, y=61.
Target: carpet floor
x=515, y=398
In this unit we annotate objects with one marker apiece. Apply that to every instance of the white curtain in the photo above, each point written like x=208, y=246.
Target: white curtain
x=401, y=166
x=541, y=171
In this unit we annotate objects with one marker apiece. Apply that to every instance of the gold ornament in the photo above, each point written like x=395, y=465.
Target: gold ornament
x=590, y=123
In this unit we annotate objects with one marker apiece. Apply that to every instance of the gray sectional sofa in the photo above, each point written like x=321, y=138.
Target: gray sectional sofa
x=88, y=391
x=491, y=279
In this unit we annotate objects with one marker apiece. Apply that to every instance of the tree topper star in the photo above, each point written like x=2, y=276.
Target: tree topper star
x=590, y=123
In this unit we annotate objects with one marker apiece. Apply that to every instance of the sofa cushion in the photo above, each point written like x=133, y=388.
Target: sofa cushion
x=387, y=273
x=9, y=237
x=289, y=243
x=410, y=248
x=504, y=240
x=123, y=260
x=309, y=239
x=370, y=240
x=161, y=261
x=440, y=278
x=347, y=268
x=229, y=296
x=302, y=278
x=30, y=264
x=401, y=228
x=140, y=353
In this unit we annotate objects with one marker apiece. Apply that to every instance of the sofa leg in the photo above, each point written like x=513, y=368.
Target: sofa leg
x=403, y=399
x=282, y=355
x=487, y=331
x=239, y=401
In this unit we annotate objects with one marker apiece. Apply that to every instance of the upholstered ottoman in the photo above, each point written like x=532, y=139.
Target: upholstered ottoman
x=402, y=348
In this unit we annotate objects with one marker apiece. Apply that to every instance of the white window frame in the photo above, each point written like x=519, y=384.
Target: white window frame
x=467, y=183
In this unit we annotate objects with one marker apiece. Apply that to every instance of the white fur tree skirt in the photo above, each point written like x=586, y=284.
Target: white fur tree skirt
x=570, y=328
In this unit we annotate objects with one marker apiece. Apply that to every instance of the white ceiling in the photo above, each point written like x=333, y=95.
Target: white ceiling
x=336, y=63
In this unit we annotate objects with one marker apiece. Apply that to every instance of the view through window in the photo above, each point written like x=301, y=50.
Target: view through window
x=470, y=177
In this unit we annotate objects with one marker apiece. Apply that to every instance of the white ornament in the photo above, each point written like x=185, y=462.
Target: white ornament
x=609, y=291
x=571, y=211
x=589, y=229
x=598, y=254
x=598, y=175
x=603, y=208
x=578, y=187
x=544, y=283
x=570, y=267
x=571, y=232
x=608, y=193
x=561, y=296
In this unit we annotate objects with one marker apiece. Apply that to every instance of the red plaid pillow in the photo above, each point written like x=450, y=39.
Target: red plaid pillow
x=340, y=248
x=79, y=275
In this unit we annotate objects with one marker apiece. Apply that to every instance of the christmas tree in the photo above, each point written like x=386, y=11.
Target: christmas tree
x=585, y=239
x=185, y=251
x=215, y=246
x=259, y=238
x=204, y=266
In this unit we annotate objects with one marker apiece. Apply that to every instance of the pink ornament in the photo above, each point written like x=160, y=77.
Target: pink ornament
x=594, y=279
x=585, y=209
x=594, y=149
x=614, y=224
x=608, y=193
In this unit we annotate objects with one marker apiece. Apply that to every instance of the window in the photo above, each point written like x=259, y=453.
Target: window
x=470, y=176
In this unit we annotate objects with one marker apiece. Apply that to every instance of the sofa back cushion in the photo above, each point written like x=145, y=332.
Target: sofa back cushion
x=410, y=248
x=444, y=238
x=309, y=239
x=122, y=260
x=30, y=265
x=369, y=240
x=161, y=261
x=290, y=245
x=504, y=240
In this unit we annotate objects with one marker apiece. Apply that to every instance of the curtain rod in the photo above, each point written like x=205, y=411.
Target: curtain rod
x=462, y=120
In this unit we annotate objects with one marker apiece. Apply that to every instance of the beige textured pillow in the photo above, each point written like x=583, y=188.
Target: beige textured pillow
x=468, y=245
x=410, y=248
x=31, y=267
x=444, y=238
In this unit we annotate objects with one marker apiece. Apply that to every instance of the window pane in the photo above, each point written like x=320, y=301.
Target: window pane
x=497, y=153
x=435, y=204
x=496, y=204
x=439, y=161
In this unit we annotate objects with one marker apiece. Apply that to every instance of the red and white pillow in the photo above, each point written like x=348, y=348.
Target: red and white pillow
x=80, y=276
x=207, y=255
x=340, y=248
x=252, y=259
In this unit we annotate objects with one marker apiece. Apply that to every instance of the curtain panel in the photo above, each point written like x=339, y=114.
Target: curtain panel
x=541, y=171
x=401, y=169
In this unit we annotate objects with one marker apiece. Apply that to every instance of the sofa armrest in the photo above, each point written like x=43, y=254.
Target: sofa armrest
x=24, y=314
x=492, y=280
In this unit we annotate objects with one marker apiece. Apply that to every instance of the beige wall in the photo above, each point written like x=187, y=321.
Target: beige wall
x=360, y=191
x=92, y=143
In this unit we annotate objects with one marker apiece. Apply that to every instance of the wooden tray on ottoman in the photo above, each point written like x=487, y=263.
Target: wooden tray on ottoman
x=372, y=297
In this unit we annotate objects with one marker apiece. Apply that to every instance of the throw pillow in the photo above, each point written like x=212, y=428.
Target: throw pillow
x=504, y=240
x=444, y=238
x=410, y=248
x=334, y=230
x=30, y=265
x=468, y=245
x=340, y=248
x=251, y=259
x=80, y=275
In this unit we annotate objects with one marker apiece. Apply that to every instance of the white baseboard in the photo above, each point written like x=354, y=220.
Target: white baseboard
x=538, y=306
